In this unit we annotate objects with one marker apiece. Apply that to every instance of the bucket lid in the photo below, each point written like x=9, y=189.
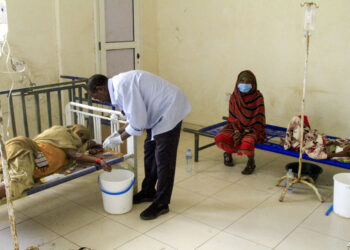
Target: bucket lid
x=343, y=178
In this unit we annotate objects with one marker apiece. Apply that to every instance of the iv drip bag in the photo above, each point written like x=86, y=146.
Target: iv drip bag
x=309, y=22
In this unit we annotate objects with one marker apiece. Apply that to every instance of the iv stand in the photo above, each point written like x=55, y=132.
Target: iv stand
x=306, y=180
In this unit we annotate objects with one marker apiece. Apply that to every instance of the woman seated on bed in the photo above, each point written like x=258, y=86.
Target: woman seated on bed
x=30, y=160
x=246, y=122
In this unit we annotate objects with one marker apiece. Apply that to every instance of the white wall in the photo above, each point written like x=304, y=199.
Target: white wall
x=202, y=45
x=77, y=37
x=32, y=37
x=53, y=37
x=149, y=43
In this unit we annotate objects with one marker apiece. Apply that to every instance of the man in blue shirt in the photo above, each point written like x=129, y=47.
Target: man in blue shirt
x=149, y=103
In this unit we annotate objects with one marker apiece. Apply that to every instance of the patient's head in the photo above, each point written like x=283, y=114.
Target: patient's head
x=81, y=131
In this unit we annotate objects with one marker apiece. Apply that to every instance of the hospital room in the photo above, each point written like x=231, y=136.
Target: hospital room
x=174, y=124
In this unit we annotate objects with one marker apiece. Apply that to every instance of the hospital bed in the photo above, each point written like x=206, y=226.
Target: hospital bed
x=273, y=135
x=65, y=104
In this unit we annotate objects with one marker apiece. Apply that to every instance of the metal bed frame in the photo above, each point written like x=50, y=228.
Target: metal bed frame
x=72, y=89
x=75, y=112
x=272, y=132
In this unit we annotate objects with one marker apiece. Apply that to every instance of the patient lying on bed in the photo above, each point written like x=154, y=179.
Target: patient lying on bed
x=30, y=160
x=316, y=145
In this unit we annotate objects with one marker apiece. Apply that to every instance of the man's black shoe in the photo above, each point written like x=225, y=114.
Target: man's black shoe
x=142, y=197
x=154, y=210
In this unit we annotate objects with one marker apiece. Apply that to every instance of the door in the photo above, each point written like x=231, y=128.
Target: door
x=119, y=44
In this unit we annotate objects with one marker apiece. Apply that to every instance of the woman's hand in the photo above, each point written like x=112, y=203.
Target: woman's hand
x=346, y=150
x=237, y=137
x=344, y=153
x=105, y=166
x=94, y=148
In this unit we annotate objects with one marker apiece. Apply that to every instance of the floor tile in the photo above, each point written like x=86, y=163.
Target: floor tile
x=181, y=174
x=4, y=218
x=203, y=184
x=132, y=218
x=271, y=221
x=182, y=233
x=241, y=195
x=67, y=218
x=30, y=233
x=215, y=213
x=40, y=203
x=222, y=172
x=303, y=239
x=182, y=199
x=145, y=243
x=102, y=234
x=260, y=181
x=332, y=225
x=225, y=241
x=93, y=202
x=59, y=244
x=75, y=190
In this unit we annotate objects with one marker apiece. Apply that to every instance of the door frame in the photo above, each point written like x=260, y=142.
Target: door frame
x=100, y=37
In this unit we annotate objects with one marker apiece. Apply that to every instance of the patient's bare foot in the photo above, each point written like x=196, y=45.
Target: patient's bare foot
x=2, y=190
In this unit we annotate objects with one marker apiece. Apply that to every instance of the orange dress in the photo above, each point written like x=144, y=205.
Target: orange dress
x=55, y=157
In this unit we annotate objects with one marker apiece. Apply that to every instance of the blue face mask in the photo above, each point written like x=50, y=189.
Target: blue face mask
x=244, y=87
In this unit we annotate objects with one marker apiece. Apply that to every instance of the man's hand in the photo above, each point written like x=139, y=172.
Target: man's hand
x=105, y=166
x=113, y=140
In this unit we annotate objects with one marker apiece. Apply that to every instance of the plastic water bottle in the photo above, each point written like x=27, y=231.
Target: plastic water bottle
x=290, y=177
x=189, y=161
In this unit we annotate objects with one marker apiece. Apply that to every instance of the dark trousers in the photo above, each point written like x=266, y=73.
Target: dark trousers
x=160, y=163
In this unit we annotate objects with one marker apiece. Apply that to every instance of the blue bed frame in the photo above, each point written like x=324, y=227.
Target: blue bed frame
x=271, y=132
x=72, y=176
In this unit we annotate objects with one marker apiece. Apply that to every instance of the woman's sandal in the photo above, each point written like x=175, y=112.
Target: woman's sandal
x=228, y=161
x=249, y=169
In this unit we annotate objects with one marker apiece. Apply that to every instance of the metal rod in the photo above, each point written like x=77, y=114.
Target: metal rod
x=49, y=113
x=44, y=91
x=59, y=96
x=69, y=95
x=206, y=146
x=80, y=95
x=74, y=115
x=196, y=145
x=24, y=111
x=73, y=90
x=31, y=89
x=37, y=111
x=90, y=123
x=13, y=119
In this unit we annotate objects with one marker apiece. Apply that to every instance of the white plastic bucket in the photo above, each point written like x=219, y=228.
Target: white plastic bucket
x=341, y=200
x=117, y=190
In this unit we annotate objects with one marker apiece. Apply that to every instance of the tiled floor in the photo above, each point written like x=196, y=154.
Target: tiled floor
x=213, y=208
